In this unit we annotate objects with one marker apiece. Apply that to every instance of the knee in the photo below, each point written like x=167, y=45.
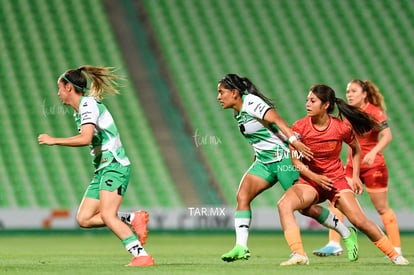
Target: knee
x=284, y=205
x=243, y=199
x=83, y=221
x=381, y=211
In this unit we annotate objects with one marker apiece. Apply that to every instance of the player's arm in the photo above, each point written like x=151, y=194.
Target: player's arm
x=83, y=139
x=356, y=163
x=385, y=139
x=272, y=117
x=325, y=182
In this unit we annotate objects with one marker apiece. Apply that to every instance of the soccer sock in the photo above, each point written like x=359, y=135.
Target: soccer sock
x=391, y=226
x=386, y=246
x=328, y=219
x=333, y=235
x=242, y=224
x=292, y=236
x=126, y=217
x=133, y=246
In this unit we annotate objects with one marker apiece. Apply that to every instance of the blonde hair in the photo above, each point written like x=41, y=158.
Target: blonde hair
x=373, y=94
x=103, y=80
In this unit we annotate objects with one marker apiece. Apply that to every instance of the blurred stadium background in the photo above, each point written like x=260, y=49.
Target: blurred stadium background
x=186, y=152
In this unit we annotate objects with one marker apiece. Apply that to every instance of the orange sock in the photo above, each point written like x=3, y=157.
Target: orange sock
x=333, y=235
x=386, y=246
x=292, y=236
x=391, y=226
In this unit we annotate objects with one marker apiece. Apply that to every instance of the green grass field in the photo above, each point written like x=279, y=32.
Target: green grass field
x=98, y=252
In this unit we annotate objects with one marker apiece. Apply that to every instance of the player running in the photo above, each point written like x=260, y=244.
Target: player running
x=97, y=129
x=267, y=132
x=373, y=172
x=323, y=177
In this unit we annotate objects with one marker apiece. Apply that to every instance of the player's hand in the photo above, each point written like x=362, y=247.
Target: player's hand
x=369, y=158
x=323, y=181
x=45, y=139
x=303, y=149
x=357, y=185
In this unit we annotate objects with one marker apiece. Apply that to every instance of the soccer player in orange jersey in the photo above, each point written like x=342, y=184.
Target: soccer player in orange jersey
x=373, y=172
x=323, y=177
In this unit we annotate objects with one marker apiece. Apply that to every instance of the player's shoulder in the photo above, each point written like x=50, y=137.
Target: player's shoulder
x=250, y=99
x=375, y=111
x=338, y=123
x=341, y=127
x=301, y=122
x=88, y=102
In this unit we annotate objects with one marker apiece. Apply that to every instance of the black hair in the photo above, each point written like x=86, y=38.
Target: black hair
x=244, y=86
x=76, y=78
x=361, y=122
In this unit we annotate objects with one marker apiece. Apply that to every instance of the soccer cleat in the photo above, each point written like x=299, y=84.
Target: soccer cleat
x=296, y=259
x=351, y=243
x=400, y=260
x=239, y=252
x=141, y=261
x=328, y=250
x=139, y=225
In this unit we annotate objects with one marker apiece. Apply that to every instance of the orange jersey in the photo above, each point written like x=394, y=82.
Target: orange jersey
x=326, y=145
x=370, y=139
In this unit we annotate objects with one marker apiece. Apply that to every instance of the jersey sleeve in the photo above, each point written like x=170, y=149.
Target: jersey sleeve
x=255, y=106
x=89, y=112
x=382, y=120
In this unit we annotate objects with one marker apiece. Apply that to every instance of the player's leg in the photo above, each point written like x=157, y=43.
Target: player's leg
x=113, y=184
x=88, y=215
x=329, y=220
x=376, y=181
x=110, y=203
x=298, y=197
x=380, y=202
x=251, y=185
x=333, y=248
x=348, y=204
x=287, y=176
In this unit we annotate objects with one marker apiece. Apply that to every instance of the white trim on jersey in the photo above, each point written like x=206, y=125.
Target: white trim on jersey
x=255, y=106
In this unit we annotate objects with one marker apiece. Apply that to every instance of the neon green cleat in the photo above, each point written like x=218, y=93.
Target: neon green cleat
x=239, y=252
x=351, y=244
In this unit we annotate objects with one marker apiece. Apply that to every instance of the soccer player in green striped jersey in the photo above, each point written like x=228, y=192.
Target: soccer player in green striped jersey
x=97, y=130
x=270, y=136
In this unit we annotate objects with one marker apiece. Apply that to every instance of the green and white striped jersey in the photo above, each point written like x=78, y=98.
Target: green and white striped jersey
x=106, y=143
x=270, y=144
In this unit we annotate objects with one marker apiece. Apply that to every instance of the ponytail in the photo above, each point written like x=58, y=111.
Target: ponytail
x=361, y=122
x=102, y=80
x=244, y=86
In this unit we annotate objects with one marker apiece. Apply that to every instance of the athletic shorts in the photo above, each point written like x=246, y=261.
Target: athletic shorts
x=375, y=179
x=339, y=186
x=283, y=172
x=110, y=178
